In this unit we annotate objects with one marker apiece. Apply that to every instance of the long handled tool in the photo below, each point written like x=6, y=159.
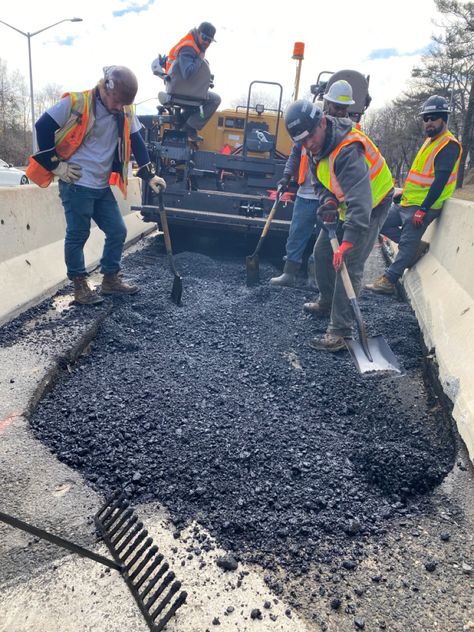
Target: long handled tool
x=135, y=557
x=370, y=354
x=251, y=262
x=177, y=289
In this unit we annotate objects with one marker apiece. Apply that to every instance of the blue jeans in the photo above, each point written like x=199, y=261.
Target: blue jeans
x=399, y=228
x=81, y=205
x=301, y=228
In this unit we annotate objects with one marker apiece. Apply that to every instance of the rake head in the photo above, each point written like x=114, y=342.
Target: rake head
x=142, y=567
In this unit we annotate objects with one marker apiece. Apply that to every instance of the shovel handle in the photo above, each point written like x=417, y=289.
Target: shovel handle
x=270, y=217
x=346, y=280
x=164, y=223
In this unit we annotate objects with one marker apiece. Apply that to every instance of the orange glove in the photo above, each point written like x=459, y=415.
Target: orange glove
x=418, y=218
x=338, y=256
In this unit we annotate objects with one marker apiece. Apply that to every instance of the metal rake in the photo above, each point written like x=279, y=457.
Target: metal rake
x=135, y=556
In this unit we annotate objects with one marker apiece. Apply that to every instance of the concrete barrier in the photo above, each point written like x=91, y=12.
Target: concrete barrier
x=32, y=228
x=441, y=290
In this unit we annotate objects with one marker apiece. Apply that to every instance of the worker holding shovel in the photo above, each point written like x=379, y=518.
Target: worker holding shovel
x=353, y=178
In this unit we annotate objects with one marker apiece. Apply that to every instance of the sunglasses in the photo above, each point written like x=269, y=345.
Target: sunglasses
x=431, y=117
x=206, y=38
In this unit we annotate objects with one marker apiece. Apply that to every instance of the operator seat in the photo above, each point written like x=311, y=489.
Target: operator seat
x=183, y=93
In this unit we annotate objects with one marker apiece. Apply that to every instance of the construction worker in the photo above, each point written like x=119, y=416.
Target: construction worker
x=429, y=183
x=190, y=53
x=336, y=102
x=352, y=176
x=85, y=140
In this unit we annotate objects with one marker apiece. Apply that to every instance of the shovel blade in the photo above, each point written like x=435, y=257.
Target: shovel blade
x=177, y=290
x=383, y=358
x=252, y=268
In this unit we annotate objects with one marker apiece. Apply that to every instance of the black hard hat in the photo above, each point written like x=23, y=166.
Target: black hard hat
x=301, y=119
x=206, y=28
x=435, y=105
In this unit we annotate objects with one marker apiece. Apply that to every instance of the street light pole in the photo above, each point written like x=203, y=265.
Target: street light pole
x=29, y=35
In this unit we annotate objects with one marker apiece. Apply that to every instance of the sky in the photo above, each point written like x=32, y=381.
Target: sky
x=254, y=42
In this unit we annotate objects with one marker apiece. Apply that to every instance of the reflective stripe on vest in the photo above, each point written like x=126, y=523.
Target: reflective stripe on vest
x=379, y=173
x=303, y=166
x=71, y=135
x=187, y=40
x=421, y=175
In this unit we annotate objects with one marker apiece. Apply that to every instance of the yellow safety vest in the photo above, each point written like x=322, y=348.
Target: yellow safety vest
x=379, y=173
x=421, y=175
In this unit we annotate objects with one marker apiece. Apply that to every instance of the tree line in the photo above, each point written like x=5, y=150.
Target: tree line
x=15, y=113
x=447, y=69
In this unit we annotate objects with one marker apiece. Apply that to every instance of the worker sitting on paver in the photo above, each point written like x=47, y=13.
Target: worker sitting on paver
x=86, y=141
x=352, y=175
x=429, y=183
x=336, y=102
x=185, y=68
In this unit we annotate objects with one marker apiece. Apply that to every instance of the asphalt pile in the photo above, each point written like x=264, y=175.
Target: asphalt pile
x=222, y=412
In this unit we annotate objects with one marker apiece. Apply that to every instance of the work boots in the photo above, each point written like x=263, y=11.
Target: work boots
x=288, y=278
x=113, y=284
x=382, y=285
x=83, y=293
x=317, y=308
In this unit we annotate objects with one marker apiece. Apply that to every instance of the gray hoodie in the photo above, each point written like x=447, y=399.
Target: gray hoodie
x=353, y=176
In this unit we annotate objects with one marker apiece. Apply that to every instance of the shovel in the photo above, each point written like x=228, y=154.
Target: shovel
x=251, y=262
x=177, y=289
x=370, y=354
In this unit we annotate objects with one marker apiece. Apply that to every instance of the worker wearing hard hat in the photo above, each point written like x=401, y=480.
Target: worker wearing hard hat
x=353, y=183
x=430, y=182
x=336, y=102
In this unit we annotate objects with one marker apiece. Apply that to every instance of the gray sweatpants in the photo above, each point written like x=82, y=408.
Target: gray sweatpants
x=330, y=284
x=399, y=228
x=200, y=117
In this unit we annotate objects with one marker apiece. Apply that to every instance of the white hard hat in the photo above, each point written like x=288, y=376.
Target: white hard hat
x=340, y=92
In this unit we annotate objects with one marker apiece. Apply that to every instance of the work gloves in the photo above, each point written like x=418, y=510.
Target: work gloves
x=338, y=256
x=327, y=212
x=147, y=174
x=418, y=218
x=67, y=172
x=284, y=182
x=157, y=184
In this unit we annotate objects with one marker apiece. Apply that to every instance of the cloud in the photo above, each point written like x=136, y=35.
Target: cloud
x=66, y=41
x=388, y=53
x=134, y=7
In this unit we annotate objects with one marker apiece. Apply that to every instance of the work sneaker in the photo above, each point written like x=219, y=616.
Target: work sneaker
x=318, y=309
x=113, y=284
x=328, y=342
x=381, y=286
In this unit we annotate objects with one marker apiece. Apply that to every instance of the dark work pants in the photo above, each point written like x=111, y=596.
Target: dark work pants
x=399, y=228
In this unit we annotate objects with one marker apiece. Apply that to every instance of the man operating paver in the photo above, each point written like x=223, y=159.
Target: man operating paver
x=354, y=184
x=429, y=183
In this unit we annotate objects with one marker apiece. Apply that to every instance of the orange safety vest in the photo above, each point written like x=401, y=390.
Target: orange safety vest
x=304, y=162
x=187, y=40
x=68, y=138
